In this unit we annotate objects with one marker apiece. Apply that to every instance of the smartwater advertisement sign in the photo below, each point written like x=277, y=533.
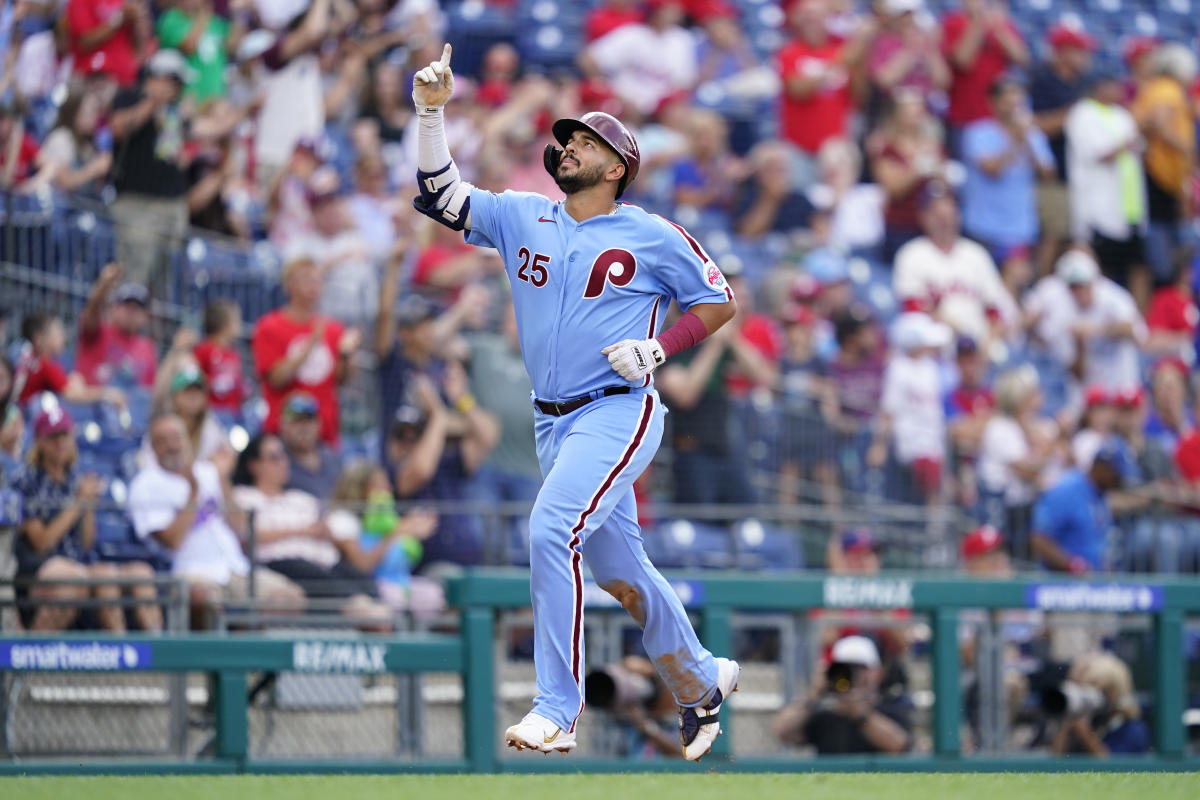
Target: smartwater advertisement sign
x=73, y=656
x=1113, y=597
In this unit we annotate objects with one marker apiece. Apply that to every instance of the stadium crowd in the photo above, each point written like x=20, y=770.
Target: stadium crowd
x=961, y=247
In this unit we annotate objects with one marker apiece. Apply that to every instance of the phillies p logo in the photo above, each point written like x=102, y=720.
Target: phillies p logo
x=615, y=266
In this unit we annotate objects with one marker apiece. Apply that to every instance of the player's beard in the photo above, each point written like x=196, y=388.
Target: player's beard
x=582, y=178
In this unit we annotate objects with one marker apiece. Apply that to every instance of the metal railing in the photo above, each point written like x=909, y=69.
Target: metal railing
x=714, y=598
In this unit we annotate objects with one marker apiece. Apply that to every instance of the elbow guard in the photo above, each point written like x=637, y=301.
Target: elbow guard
x=444, y=197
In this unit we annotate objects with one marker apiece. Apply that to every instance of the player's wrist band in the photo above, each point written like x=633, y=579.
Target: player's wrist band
x=689, y=331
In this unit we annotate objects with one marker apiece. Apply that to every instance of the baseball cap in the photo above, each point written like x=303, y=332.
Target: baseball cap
x=1096, y=396
x=796, y=314
x=804, y=288
x=966, y=345
x=254, y=44
x=1130, y=398
x=916, y=329
x=1113, y=455
x=132, y=293
x=1137, y=47
x=51, y=421
x=301, y=404
x=323, y=185
x=855, y=650
x=1063, y=35
x=414, y=309
x=857, y=540
x=1076, y=267
x=188, y=378
x=168, y=64
x=981, y=541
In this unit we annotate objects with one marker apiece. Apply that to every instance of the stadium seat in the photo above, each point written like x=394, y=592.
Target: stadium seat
x=683, y=543
x=759, y=545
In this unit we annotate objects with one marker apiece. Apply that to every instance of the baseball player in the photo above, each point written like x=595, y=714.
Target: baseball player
x=590, y=278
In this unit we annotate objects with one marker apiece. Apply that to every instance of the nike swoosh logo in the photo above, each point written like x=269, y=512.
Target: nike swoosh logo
x=557, y=731
x=543, y=219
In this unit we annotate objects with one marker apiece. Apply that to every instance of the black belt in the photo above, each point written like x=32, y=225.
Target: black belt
x=564, y=407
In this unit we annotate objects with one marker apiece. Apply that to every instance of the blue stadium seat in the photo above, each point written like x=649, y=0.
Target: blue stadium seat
x=759, y=545
x=683, y=543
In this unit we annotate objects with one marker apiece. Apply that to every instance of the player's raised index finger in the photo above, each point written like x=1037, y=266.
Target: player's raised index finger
x=446, y=51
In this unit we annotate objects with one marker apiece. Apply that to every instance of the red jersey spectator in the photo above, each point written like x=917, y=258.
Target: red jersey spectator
x=981, y=43
x=610, y=16
x=298, y=348
x=113, y=346
x=12, y=130
x=906, y=53
x=1172, y=319
x=217, y=358
x=40, y=371
x=816, y=85
x=106, y=37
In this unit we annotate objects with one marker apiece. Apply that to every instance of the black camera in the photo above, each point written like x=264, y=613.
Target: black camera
x=1074, y=699
x=841, y=677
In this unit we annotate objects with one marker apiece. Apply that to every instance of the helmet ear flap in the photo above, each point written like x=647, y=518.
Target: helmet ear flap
x=552, y=157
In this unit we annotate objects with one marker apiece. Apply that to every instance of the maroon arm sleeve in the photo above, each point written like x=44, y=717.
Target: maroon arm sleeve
x=687, y=332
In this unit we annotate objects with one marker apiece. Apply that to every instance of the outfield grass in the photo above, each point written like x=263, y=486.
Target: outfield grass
x=1022, y=786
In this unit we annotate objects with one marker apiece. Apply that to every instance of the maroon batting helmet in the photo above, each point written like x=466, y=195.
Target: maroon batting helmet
x=609, y=130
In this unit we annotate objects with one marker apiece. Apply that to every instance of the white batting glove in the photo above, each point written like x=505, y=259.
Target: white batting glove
x=433, y=85
x=634, y=360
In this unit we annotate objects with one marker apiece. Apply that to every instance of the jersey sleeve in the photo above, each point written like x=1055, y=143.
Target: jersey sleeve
x=487, y=225
x=685, y=271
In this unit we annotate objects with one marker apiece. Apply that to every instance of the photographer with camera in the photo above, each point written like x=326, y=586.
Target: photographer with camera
x=636, y=698
x=847, y=714
x=1098, y=710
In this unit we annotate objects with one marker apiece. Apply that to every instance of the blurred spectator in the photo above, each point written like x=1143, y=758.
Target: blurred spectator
x=1089, y=323
x=1137, y=53
x=983, y=553
x=512, y=473
x=108, y=37
x=981, y=43
x=768, y=201
x=431, y=454
x=41, y=371
x=705, y=179
x=291, y=538
x=950, y=276
x=373, y=209
x=645, y=62
x=206, y=37
x=57, y=538
x=1116, y=727
x=218, y=359
x=724, y=57
x=1054, y=88
x=911, y=414
x=113, y=347
x=853, y=221
x=1172, y=316
x=906, y=153
x=610, y=15
x=1071, y=520
x=1018, y=454
x=816, y=103
x=75, y=156
x=497, y=74
x=187, y=397
x=351, y=283
x=1005, y=155
x=845, y=713
x=288, y=212
x=1096, y=426
x=187, y=506
x=447, y=263
x=1165, y=117
x=1170, y=418
x=1107, y=187
x=906, y=54
x=293, y=101
x=149, y=131
x=389, y=545
x=18, y=147
x=857, y=375
x=297, y=348
x=853, y=552
x=313, y=466
x=807, y=402
x=969, y=406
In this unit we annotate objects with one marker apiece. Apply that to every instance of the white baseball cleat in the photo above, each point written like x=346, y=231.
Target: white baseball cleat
x=535, y=732
x=700, y=726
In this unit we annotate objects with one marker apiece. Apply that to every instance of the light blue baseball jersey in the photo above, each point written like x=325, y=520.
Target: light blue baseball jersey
x=580, y=286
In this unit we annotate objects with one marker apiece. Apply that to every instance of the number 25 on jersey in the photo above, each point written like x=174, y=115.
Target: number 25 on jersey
x=533, y=267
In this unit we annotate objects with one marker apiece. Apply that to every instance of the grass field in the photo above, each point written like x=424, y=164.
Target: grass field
x=1023, y=786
